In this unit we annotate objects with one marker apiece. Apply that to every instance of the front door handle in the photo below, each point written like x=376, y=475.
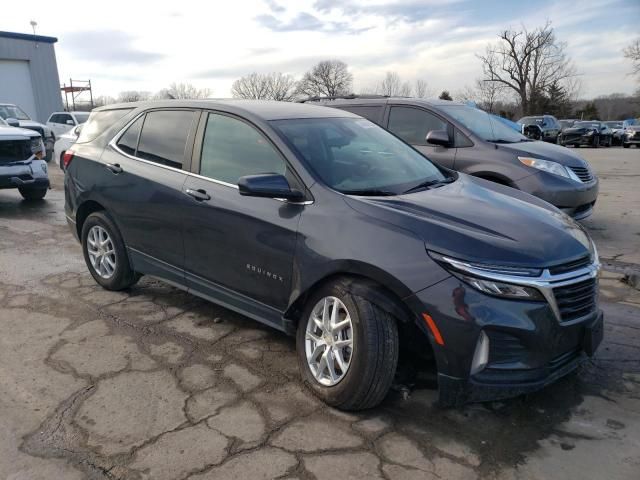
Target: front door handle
x=200, y=195
x=114, y=167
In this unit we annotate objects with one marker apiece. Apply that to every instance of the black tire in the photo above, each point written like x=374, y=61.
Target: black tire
x=123, y=275
x=33, y=193
x=374, y=355
x=62, y=161
x=596, y=142
x=626, y=145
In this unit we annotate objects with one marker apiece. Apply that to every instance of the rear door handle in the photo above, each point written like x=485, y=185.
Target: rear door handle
x=114, y=167
x=200, y=194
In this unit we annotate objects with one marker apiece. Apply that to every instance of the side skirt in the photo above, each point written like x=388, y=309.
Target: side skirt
x=207, y=290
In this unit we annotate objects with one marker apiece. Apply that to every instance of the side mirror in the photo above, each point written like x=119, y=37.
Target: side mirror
x=77, y=130
x=70, y=122
x=438, y=137
x=268, y=185
x=12, y=122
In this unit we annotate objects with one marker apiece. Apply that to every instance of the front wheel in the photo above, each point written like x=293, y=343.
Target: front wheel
x=626, y=145
x=347, y=348
x=105, y=253
x=596, y=142
x=33, y=193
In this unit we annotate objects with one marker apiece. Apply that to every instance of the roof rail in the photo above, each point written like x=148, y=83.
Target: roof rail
x=350, y=96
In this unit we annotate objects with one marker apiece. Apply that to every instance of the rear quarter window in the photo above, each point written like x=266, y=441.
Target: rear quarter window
x=98, y=122
x=369, y=112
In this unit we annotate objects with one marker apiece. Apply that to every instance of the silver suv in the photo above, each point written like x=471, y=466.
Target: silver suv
x=470, y=140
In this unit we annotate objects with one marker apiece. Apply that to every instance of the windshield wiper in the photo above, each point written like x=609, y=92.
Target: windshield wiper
x=500, y=140
x=371, y=192
x=429, y=183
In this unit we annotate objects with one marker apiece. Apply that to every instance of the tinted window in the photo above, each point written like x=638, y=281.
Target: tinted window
x=412, y=124
x=355, y=156
x=129, y=141
x=99, y=121
x=483, y=125
x=164, y=137
x=232, y=149
x=63, y=117
x=370, y=113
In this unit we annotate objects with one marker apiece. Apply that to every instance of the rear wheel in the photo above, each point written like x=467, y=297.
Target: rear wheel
x=347, y=348
x=33, y=193
x=105, y=253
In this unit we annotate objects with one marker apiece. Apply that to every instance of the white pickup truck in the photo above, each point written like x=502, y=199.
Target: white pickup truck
x=22, y=163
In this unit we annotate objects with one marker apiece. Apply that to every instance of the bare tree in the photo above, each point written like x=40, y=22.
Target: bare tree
x=271, y=86
x=421, y=89
x=632, y=52
x=327, y=78
x=103, y=100
x=133, y=96
x=393, y=86
x=527, y=62
x=183, y=91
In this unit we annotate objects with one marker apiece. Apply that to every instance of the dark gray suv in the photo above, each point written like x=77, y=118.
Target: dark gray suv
x=469, y=140
x=323, y=225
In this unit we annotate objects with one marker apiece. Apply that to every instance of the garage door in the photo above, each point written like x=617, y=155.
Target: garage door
x=15, y=85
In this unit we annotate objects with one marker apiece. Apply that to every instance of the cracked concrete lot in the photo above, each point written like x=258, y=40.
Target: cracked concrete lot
x=153, y=383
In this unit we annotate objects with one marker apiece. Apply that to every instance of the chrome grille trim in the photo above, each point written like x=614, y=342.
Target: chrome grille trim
x=583, y=173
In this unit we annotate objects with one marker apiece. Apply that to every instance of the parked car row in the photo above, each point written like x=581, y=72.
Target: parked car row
x=325, y=225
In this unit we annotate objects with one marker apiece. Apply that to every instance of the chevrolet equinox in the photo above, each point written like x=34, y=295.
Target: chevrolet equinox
x=322, y=224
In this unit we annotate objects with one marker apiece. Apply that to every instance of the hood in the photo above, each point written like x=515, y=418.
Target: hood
x=480, y=221
x=13, y=132
x=545, y=151
x=32, y=124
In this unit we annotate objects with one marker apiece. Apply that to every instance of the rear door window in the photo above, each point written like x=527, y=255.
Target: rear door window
x=164, y=136
x=369, y=112
x=413, y=124
x=232, y=149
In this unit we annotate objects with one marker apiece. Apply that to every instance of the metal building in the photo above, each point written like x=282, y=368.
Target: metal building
x=29, y=74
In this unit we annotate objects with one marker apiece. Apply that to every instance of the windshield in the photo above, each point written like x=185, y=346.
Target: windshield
x=613, y=124
x=81, y=117
x=12, y=111
x=355, y=156
x=483, y=125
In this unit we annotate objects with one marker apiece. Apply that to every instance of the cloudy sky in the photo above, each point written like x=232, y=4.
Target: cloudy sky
x=129, y=45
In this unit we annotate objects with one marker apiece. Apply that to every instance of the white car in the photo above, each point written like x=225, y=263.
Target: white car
x=62, y=122
x=63, y=142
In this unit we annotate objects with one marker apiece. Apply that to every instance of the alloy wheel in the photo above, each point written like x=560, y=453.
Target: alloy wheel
x=102, y=253
x=329, y=341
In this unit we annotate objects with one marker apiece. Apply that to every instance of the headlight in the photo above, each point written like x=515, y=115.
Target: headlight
x=462, y=270
x=589, y=133
x=499, y=289
x=546, y=166
x=37, y=147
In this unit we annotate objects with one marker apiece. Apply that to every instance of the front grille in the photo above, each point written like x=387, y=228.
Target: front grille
x=14, y=150
x=569, y=266
x=583, y=173
x=576, y=300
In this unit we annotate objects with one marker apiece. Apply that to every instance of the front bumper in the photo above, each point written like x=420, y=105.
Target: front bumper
x=27, y=175
x=573, y=198
x=529, y=347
